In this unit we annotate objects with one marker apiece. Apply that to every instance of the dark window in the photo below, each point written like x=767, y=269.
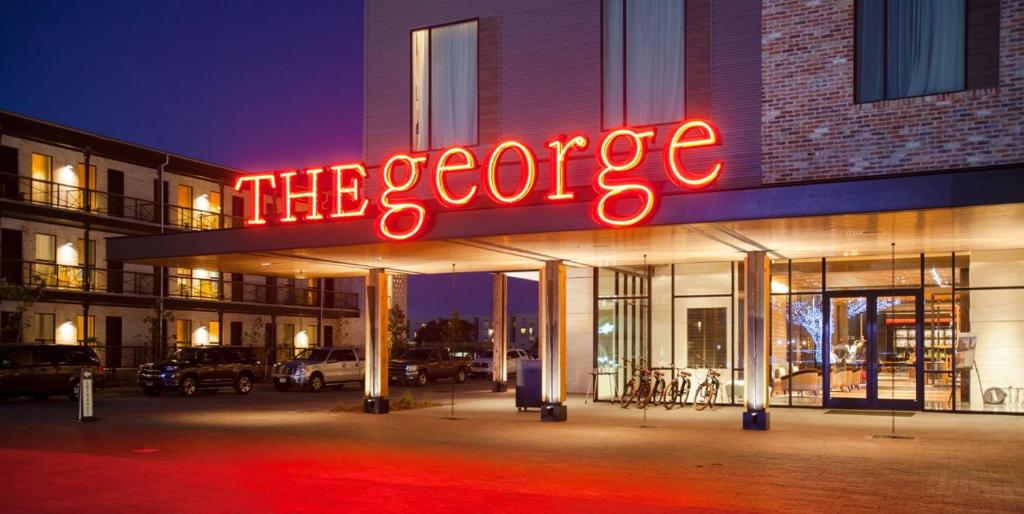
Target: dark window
x=348, y=355
x=82, y=357
x=706, y=337
x=912, y=48
x=10, y=327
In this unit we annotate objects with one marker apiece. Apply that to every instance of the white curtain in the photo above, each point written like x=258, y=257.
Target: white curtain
x=926, y=47
x=612, y=65
x=654, y=61
x=453, y=91
x=420, y=90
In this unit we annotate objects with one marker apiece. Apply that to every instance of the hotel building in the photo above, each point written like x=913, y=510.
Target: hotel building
x=822, y=201
x=61, y=187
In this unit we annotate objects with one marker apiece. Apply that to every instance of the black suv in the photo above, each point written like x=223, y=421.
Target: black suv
x=190, y=369
x=43, y=370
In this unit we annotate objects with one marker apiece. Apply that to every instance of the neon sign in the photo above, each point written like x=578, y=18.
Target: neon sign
x=623, y=199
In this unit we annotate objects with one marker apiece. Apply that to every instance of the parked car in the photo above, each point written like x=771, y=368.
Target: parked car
x=316, y=368
x=44, y=370
x=419, y=366
x=481, y=367
x=189, y=370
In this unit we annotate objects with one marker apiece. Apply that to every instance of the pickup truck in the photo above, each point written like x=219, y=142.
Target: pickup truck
x=316, y=368
x=419, y=366
x=481, y=365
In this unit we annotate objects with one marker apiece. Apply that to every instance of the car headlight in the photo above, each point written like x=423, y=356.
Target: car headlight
x=411, y=368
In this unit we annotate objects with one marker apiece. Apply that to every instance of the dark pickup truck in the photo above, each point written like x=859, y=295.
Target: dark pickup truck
x=419, y=366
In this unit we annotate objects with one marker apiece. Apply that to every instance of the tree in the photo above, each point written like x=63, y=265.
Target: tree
x=254, y=336
x=23, y=296
x=398, y=330
x=456, y=331
x=154, y=322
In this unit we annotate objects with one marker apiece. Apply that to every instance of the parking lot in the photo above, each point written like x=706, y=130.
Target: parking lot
x=295, y=452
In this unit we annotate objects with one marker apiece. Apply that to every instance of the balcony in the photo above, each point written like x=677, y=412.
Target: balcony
x=183, y=286
x=54, y=276
x=54, y=194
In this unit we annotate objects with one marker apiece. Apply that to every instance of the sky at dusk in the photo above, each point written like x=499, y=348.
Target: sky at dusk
x=256, y=85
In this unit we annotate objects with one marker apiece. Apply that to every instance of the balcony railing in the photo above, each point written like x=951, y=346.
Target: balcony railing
x=63, y=196
x=54, y=194
x=51, y=275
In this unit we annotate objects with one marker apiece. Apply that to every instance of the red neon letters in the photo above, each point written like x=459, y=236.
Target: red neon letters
x=611, y=189
x=392, y=210
x=623, y=199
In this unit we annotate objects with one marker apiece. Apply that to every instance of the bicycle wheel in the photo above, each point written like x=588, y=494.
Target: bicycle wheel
x=627, y=395
x=671, y=395
x=658, y=392
x=684, y=392
x=700, y=398
x=643, y=393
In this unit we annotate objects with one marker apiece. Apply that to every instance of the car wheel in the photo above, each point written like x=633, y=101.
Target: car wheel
x=243, y=384
x=460, y=376
x=422, y=379
x=75, y=391
x=151, y=391
x=316, y=383
x=189, y=386
x=282, y=387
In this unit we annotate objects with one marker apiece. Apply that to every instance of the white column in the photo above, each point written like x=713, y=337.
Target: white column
x=551, y=311
x=499, y=327
x=755, y=340
x=375, y=389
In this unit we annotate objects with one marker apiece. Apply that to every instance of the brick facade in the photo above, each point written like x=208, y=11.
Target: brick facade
x=813, y=130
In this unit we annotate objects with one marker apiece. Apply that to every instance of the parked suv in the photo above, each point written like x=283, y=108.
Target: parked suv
x=482, y=364
x=43, y=370
x=422, y=365
x=190, y=370
x=316, y=368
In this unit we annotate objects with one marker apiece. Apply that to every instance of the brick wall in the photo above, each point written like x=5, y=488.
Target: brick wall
x=812, y=130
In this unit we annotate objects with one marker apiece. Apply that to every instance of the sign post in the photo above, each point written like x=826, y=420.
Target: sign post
x=85, y=399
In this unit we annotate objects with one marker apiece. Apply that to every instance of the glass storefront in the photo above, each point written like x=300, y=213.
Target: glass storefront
x=670, y=318
x=920, y=331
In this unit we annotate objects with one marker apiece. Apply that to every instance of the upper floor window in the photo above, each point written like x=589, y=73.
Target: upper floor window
x=444, y=86
x=910, y=48
x=643, y=62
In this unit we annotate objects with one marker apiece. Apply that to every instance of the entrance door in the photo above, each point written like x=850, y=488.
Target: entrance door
x=873, y=347
x=115, y=193
x=114, y=340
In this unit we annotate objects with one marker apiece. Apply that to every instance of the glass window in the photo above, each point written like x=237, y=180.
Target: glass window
x=46, y=248
x=444, y=86
x=213, y=328
x=183, y=331
x=707, y=334
x=19, y=357
x=909, y=48
x=287, y=334
x=42, y=176
x=707, y=278
x=875, y=272
x=46, y=331
x=643, y=62
x=80, y=329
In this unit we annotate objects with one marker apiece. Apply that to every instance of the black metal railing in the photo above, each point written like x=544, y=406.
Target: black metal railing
x=51, y=275
x=54, y=194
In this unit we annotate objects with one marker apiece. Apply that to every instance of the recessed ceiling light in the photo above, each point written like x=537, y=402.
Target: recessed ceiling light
x=376, y=258
x=265, y=264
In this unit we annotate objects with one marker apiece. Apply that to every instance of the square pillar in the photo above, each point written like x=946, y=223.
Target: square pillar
x=756, y=304
x=551, y=311
x=499, y=327
x=375, y=388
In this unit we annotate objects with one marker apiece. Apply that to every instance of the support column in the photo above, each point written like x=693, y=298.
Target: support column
x=755, y=340
x=499, y=327
x=375, y=388
x=551, y=311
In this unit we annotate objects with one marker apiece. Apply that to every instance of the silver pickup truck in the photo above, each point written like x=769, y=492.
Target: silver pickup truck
x=316, y=368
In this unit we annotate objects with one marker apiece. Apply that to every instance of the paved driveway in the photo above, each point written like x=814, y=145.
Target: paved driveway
x=288, y=452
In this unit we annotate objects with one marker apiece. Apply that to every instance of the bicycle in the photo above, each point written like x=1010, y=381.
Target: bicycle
x=678, y=391
x=658, y=388
x=639, y=387
x=629, y=390
x=707, y=391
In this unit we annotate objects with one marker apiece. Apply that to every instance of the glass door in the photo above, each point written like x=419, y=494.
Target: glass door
x=872, y=350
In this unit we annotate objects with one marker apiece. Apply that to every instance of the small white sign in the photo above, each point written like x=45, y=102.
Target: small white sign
x=85, y=396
